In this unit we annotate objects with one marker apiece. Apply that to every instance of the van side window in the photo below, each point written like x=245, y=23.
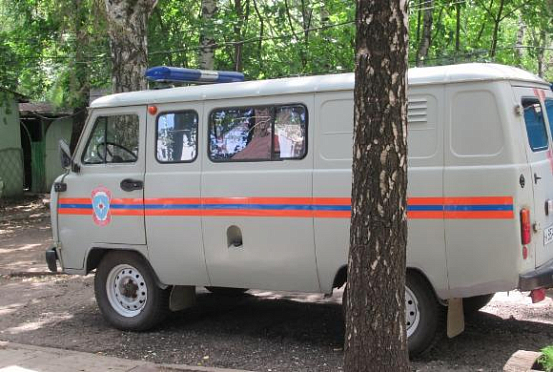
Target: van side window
x=177, y=137
x=114, y=139
x=535, y=125
x=261, y=133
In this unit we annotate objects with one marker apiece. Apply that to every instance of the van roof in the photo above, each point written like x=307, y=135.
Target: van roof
x=311, y=84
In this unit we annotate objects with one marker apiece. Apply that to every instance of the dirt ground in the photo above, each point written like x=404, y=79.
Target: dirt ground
x=260, y=331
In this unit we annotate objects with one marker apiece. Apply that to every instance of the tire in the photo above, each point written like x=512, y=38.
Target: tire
x=127, y=293
x=225, y=291
x=424, y=315
x=471, y=305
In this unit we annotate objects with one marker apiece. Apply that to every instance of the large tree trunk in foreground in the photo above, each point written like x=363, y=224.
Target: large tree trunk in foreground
x=128, y=31
x=376, y=337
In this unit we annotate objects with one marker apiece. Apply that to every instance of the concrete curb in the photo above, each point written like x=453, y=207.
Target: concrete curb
x=29, y=358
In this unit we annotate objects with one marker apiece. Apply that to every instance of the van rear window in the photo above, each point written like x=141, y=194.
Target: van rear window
x=535, y=125
x=549, y=112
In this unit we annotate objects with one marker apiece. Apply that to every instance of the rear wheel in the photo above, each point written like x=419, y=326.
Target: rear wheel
x=127, y=293
x=225, y=291
x=424, y=316
x=472, y=304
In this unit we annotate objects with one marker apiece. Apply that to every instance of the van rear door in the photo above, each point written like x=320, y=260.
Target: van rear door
x=539, y=150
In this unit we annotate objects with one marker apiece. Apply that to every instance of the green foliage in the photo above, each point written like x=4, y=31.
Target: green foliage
x=546, y=359
x=57, y=49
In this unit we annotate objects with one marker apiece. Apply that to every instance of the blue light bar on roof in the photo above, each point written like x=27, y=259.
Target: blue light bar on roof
x=186, y=75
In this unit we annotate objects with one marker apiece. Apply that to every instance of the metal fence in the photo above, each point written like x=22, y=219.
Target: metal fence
x=11, y=171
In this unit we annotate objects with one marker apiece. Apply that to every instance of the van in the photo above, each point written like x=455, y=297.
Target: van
x=247, y=185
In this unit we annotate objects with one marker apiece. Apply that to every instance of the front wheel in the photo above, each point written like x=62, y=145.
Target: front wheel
x=127, y=293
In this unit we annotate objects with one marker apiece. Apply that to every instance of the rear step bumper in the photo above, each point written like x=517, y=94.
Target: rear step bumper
x=542, y=277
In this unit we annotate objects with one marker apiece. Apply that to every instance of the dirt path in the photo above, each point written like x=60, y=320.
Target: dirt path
x=261, y=331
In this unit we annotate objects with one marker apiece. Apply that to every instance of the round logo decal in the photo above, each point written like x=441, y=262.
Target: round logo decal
x=101, y=198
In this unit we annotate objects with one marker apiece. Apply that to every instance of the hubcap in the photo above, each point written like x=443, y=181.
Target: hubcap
x=127, y=291
x=412, y=314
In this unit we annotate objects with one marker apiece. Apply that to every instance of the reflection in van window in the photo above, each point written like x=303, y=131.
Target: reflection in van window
x=113, y=140
x=535, y=125
x=177, y=137
x=258, y=133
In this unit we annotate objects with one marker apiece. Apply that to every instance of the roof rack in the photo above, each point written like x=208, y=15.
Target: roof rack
x=164, y=74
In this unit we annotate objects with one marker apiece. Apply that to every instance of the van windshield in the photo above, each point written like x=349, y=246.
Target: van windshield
x=535, y=124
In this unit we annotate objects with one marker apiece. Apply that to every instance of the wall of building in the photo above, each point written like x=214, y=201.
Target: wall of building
x=11, y=155
x=59, y=129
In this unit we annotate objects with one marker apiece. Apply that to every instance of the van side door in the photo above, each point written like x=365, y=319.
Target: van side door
x=257, y=194
x=103, y=203
x=172, y=196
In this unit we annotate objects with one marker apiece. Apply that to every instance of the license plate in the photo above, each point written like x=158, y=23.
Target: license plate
x=548, y=235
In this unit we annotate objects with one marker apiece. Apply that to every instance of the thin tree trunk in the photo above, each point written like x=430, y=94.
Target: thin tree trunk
x=261, y=35
x=80, y=80
x=520, y=41
x=238, y=35
x=458, y=29
x=424, y=44
x=376, y=337
x=541, y=53
x=128, y=33
x=495, y=34
x=207, y=40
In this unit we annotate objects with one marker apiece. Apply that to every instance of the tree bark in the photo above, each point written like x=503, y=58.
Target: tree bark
x=128, y=29
x=376, y=337
x=457, y=28
x=207, y=40
x=80, y=79
x=425, y=41
x=520, y=41
x=497, y=21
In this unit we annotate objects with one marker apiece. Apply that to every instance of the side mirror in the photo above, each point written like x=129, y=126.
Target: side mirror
x=65, y=157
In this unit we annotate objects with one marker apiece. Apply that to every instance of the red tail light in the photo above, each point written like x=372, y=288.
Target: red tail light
x=525, y=227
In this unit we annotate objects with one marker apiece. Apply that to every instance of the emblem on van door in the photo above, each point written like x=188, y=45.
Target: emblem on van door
x=101, y=199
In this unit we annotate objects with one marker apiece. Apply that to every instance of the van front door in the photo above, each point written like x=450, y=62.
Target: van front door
x=103, y=203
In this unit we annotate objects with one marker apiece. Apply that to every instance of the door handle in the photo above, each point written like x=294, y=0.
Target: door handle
x=131, y=185
x=536, y=178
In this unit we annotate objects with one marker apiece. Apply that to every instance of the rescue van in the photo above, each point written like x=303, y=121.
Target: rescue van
x=247, y=185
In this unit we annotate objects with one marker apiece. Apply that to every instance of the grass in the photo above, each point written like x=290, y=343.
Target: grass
x=546, y=359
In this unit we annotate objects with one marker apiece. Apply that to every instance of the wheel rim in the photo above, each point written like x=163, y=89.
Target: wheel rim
x=127, y=290
x=412, y=313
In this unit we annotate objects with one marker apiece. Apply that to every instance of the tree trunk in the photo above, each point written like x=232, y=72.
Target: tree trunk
x=424, y=44
x=128, y=31
x=457, y=29
x=541, y=53
x=80, y=80
x=376, y=337
x=207, y=40
x=241, y=19
x=495, y=34
x=520, y=41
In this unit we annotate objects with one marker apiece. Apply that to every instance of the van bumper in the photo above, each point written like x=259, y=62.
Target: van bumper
x=51, y=258
x=542, y=277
